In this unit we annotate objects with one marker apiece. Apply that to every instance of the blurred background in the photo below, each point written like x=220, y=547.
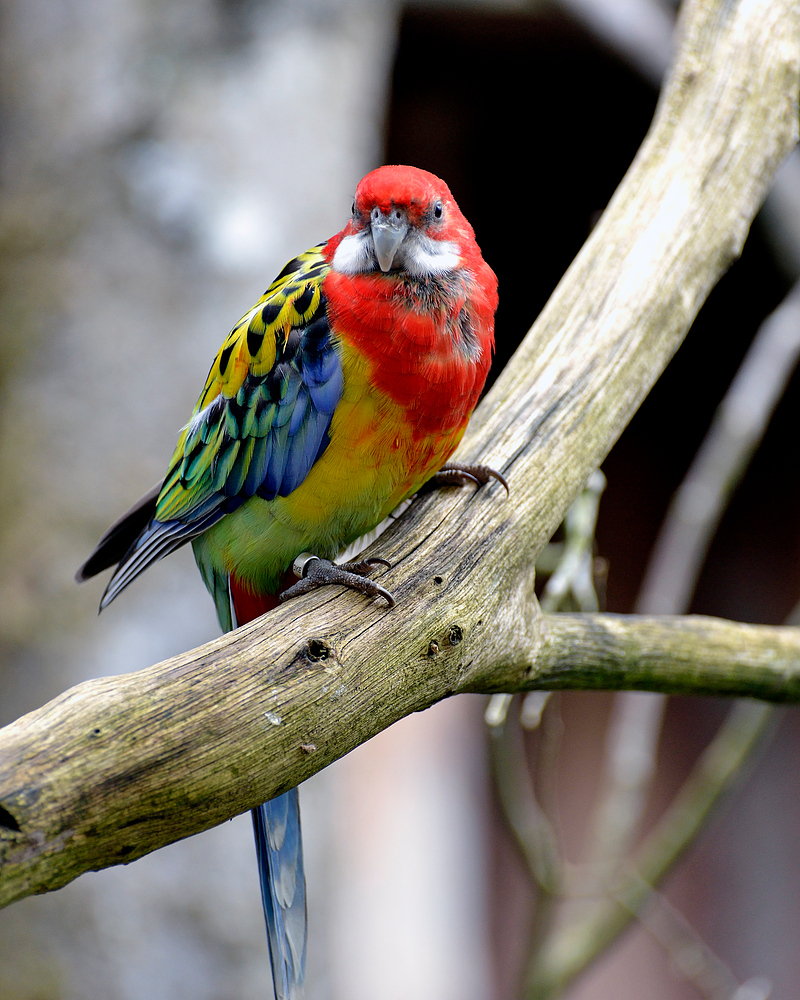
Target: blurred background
x=160, y=164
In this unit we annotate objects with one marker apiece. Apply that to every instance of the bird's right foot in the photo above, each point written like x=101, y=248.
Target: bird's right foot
x=315, y=572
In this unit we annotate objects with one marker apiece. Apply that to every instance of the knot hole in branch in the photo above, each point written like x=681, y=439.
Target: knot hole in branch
x=8, y=821
x=318, y=650
x=455, y=634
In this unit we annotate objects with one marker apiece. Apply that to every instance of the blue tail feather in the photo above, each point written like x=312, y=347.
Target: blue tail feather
x=279, y=850
x=279, y=847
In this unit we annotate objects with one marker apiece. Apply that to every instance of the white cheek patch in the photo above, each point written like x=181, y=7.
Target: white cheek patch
x=425, y=257
x=355, y=254
x=419, y=255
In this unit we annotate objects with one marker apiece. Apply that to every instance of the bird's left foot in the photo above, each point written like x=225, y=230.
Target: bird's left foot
x=315, y=572
x=455, y=474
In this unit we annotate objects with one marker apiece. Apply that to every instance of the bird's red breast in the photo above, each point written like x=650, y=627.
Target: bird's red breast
x=428, y=337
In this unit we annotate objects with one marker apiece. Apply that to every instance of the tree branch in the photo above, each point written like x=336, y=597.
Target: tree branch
x=677, y=655
x=117, y=767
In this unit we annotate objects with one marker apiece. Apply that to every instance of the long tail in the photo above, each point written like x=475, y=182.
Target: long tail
x=279, y=850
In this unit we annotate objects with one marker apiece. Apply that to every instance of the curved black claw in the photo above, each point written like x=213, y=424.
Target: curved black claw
x=455, y=474
x=318, y=572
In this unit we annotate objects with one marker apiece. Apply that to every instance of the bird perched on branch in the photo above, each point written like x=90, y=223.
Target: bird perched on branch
x=342, y=391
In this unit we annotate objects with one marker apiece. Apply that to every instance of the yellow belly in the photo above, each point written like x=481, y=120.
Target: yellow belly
x=372, y=464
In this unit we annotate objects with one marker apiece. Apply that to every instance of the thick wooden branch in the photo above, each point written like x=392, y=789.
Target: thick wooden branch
x=117, y=767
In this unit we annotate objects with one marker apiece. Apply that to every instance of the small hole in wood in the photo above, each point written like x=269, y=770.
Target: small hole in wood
x=455, y=635
x=318, y=650
x=8, y=821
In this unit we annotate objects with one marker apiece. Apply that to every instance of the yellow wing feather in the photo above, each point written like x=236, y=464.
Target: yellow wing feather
x=260, y=335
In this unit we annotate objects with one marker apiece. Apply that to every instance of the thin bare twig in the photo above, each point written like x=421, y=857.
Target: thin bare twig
x=570, y=582
x=678, y=556
x=680, y=550
x=566, y=954
x=738, y=426
x=527, y=820
x=571, y=579
x=691, y=955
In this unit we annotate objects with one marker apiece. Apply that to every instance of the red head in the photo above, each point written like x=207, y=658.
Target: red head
x=404, y=219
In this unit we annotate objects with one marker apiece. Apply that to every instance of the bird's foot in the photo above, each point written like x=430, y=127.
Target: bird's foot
x=455, y=474
x=315, y=572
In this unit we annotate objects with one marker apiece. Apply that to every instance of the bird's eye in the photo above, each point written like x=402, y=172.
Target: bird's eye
x=437, y=210
x=353, y=209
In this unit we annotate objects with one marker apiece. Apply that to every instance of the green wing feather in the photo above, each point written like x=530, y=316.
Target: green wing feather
x=261, y=421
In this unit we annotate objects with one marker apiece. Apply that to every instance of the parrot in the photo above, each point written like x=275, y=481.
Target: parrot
x=339, y=395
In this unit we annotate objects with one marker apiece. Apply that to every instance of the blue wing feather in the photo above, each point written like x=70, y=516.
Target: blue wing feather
x=298, y=411
x=262, y=439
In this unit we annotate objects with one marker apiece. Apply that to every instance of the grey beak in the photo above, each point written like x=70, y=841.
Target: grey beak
x=387, y=235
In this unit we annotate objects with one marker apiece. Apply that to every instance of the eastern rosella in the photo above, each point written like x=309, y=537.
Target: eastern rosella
x=337, y=396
